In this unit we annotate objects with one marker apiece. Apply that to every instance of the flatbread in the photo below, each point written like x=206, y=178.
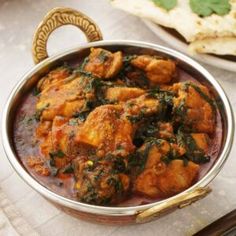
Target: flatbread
x=199, y=32
x=219, y=46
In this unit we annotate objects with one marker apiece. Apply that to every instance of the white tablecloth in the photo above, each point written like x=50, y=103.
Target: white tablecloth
x=18, y=19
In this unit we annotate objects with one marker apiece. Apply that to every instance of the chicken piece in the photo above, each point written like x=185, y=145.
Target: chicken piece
x=107, y=131
x=160, y=179
x=43, y=129
x=195, y=146
x=150, y=128
x=158, y=71
x=157, y=148
x=63, y=136
x=59, y=143
x=177, y=177
x=122, y=94
x=194, y=107
x=165, y=130
x=142, y=106
x=146, y=181
x=201, y=140
x=64, y=99
x=103, y=63
x=174, y=178
x=177, y=150
x=100, y=181
x=146, y=184
x=53, y=77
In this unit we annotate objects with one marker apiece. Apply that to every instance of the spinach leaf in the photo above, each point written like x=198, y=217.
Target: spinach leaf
x=103, y=56
x=81, y=116
x=68, y=169
x=193, y=152
x=84, y=63
x=136, y=118
x=73, y=122
x=203, y=95
x=35, y=91
x=162, y=95
x=58, y=153
x=208, y=7
x=166, y=4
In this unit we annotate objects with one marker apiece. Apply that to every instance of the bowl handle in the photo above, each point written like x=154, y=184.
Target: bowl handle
x=179, y=202
x=58, y=17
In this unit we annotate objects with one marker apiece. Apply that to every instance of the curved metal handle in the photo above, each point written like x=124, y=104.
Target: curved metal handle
x=179, y=202
x=58, y=17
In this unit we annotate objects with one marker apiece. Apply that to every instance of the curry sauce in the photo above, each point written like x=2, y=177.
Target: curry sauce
x=118, y=129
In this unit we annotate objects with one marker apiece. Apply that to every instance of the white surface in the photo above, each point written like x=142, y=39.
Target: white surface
x=18, y=19
x=183, y=47
x=11, y=223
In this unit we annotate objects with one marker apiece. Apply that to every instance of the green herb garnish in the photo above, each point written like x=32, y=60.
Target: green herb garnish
x=136, y=118
x=84, y=63
x=202, y=94
x=68, y=169
x=102, y=56
x=162, y=95
x=193, y=152
x=166, y=4
x=208, y=7
x=166, y=160
x=116, y=183
x=58, y=153
x=81, y=115
x=73, y=122
x=35, y=91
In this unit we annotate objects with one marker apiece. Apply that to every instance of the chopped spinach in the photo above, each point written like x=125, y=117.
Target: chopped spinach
x=185, y=161
x=119, y=165
x=68, y=169
x=35, y=91
x=193, y=152
x=203, y=95
x=73, y=122
x=116, y=183
x=128, y=58
x=136, y=118
x=166, y=160
x=162, y=95
x=58, y=153
x=84, y=63
x=52, y=165
x=103, y=56
x=81, y=115
x=138, y=159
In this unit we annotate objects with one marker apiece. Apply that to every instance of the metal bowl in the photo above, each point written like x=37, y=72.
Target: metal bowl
x=110, y=215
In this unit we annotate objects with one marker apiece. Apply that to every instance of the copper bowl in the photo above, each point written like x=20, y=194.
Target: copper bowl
x=110, y=215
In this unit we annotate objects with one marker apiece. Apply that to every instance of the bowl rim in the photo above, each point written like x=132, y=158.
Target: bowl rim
x=106, y=210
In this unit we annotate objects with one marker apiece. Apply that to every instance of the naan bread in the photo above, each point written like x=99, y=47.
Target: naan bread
x=205, y=34
x=220, y=46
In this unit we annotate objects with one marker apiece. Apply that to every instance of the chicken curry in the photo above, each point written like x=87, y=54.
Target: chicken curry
x=118, y=129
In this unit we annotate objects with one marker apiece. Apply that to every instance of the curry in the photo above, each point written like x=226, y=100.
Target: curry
x=118, y=129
